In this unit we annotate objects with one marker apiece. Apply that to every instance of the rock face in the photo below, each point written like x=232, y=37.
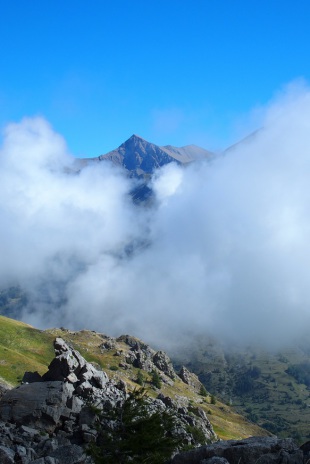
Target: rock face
x=254, y=450
x=144, y=357
x=190, y=379
x=140, y=157
x=53, y=418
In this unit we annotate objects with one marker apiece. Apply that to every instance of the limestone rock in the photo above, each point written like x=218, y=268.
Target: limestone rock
x=254, y=450
x=109, y=344
x=162, y=362
x=36, y=404
x=190, y=379
x=6, y=455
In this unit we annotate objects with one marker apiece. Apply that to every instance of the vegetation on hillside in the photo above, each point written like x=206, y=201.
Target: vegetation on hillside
x=270, y=389
x=24, y=348
x=138, y=435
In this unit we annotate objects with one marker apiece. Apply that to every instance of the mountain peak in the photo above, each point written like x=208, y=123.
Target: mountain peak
x=141, y=157
x=136, y=138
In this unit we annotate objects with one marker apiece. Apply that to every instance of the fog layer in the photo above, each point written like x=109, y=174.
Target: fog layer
x=225, y=250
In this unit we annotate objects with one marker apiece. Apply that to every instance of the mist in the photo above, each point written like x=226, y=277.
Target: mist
x=224, y=250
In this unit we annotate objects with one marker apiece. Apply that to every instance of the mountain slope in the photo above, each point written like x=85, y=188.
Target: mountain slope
x=271, y=388
x=24, y=348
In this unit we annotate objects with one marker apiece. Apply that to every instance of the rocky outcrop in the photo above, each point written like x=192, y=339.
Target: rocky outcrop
x=254, y=450
x=190, y=379
x=142, y=356
x=163, y=363
x=53, y=418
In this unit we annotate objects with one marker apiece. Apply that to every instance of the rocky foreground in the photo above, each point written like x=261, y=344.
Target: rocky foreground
x=52, y=419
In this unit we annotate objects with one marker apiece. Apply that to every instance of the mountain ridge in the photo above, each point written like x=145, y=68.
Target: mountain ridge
x=141, y=158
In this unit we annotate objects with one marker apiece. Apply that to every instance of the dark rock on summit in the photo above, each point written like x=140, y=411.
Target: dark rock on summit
x=141, y=158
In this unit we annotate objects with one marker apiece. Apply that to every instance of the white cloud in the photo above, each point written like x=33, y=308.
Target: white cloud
x=225, y=251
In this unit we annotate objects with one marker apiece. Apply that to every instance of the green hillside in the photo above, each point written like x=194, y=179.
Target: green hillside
x=270, y=389
x=24, y=348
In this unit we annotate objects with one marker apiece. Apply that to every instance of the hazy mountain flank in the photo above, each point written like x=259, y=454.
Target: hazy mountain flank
x=271, y=388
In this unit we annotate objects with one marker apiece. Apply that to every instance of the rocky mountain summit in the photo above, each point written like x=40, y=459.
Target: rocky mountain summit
x=51, y=419
x=141, y=158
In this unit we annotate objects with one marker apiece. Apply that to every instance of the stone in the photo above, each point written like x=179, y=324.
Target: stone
x=72, y=378
x=109, y=344
x=39, y=404
x=190, y=379
x=214, y=460
x=28, y=430
x=88, y=416
x=6, y=455
x=75, y=404
x=72, y=454
x=163, y=363
x=253, y=450
x=130, y=357
x=50, y=460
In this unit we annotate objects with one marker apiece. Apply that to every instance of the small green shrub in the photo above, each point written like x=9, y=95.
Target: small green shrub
x=203, y=391
x=140, y=378
x=156, y=379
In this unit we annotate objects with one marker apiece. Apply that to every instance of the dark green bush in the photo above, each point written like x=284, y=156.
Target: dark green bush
x=156, y=379
x=136, y=435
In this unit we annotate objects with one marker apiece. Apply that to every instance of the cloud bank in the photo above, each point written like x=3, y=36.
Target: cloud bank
x=225, y=251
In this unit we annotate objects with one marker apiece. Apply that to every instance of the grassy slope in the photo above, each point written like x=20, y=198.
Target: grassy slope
x=24, y=348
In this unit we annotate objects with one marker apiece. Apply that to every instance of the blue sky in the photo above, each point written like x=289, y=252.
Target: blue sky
x=173, y=71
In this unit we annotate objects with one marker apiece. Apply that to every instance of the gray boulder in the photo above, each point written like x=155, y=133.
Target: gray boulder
x=70, y=454
x=253, y=450
x=39, y=404
x=6, y=455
